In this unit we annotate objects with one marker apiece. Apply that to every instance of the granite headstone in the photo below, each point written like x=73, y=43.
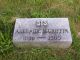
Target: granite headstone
x=40, y=32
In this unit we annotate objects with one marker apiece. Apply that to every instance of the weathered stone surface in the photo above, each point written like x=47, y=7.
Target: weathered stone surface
x=51, y=32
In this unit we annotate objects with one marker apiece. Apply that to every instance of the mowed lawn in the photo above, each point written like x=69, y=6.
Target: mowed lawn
x=12, y=9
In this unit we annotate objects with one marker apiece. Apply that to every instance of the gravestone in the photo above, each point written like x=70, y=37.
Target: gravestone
x=41, y=32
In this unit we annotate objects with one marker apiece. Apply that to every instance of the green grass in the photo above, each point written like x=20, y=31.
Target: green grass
x=12, y=9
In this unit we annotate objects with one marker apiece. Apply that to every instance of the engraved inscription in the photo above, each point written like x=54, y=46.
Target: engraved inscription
x=55, y=33
x=28, y=38
x=44, y=31
x=56, y=37
x=52, y=34
x=41, y=23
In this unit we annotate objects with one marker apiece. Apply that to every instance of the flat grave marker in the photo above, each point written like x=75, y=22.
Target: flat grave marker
x=51, y=32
